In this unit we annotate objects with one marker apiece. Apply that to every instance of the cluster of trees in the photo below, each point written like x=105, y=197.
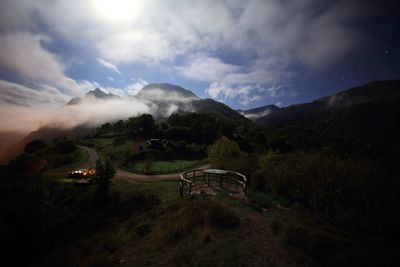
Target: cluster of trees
x=142, y=125
x=59, y=146
x=327, y=185
x=192, y=128
x=57, y=153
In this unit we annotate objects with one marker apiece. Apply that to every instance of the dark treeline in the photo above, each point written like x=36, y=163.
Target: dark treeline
x=201, y=129
x=355, y=192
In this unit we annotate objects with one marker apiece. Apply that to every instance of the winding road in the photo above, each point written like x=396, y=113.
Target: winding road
x=124, y=175
x=93, y=157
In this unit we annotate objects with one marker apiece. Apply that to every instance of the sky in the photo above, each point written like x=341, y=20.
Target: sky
x=243, y=53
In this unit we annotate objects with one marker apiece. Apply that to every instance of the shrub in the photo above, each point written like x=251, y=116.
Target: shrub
x=35, y=146
x=223, y=151
x=223, y=218
x=258, y=180
x=328, y=185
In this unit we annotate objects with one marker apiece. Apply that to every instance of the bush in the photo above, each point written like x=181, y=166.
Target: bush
x=65, y=147
x=35, y=146
x=258, y=181
x=328, y=185
x=222, y=152
x=223, y=218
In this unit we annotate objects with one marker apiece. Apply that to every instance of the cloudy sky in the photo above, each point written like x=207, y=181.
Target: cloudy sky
x=245, y=53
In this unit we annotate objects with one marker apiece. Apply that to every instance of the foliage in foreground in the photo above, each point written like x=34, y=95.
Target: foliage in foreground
x=39, y=216
x=328, y=185
x=104, y=174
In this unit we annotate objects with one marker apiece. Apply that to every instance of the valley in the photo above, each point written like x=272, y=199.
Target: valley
x=300, y=204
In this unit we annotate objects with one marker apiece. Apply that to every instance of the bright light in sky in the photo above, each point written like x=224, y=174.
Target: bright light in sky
x=116, y=10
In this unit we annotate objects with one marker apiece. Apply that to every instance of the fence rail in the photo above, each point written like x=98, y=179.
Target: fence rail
x=191, y=178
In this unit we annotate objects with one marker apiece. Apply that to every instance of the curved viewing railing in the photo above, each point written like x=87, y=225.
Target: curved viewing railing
x=211, y=177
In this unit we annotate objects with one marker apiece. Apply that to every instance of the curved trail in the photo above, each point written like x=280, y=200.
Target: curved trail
x=93, y=157
x=157, y=177
x=124, y=175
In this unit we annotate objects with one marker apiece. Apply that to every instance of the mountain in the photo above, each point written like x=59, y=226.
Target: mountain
x=97, y=93
x=210, y=106
x=363, y=120
x=168, y=97
x=94, y=94
x=256, y=113
x=155, y=90
x=161, y=99
x=164, y=99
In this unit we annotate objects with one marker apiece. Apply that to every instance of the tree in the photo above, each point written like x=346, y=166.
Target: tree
x=105, y=128
x=35, y=146
x=119, y=126
x=145, y=124
x=222, y=151
x=142, y=125
x=104, y=173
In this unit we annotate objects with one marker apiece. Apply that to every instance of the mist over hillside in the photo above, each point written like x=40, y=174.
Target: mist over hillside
x=80, y=116
x=350, y=111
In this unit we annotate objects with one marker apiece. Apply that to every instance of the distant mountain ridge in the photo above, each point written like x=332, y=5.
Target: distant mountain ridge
x=96, y=94
x=166, y=99
x=364, y=119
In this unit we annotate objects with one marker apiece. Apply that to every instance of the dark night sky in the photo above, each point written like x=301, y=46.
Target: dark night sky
x=244, y=53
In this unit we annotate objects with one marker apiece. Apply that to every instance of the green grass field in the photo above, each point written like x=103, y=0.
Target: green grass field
x=164, y=166
x=114, y=148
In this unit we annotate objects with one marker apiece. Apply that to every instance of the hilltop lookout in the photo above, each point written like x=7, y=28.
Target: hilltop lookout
x=212, y=181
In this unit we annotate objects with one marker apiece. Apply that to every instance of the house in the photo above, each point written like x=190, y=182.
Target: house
x=156, y=143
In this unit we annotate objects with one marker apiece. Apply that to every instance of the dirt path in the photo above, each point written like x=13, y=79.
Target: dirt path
x=266, y=246
x=93, y=157
x=124, y=175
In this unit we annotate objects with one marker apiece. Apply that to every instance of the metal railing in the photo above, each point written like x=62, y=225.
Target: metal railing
x=189, y=179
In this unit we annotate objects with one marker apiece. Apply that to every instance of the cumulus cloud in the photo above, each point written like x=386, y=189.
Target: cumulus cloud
x=243, y=50
x=108, y=65
x=135, y=87
x=23, y=52
x=206, y=68
x=163, y=30
x=128, y=90
x=16, y=94
x=245, y=93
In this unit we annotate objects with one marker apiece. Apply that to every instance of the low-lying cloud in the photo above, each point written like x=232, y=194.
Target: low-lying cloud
x=25, y=109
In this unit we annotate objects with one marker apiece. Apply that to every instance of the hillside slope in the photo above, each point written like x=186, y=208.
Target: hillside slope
x=363, y=119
